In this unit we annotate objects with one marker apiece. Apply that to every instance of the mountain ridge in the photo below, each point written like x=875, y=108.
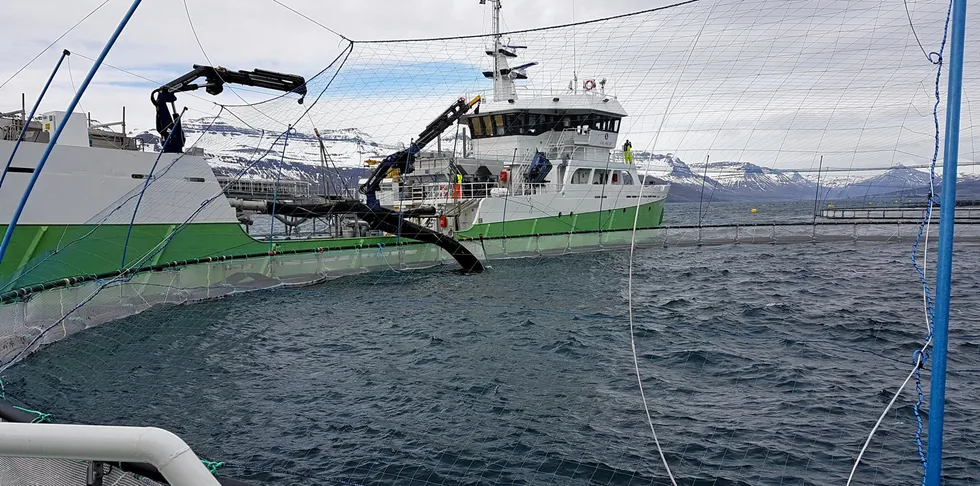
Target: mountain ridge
x=230, y=149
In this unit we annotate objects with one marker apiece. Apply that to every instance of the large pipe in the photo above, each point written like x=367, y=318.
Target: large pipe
x=170, y=455
x=261, y=206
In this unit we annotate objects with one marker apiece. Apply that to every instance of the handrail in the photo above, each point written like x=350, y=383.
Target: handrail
x=170, y=455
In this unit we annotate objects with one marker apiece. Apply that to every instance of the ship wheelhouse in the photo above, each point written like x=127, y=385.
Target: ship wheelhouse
x=533, y=123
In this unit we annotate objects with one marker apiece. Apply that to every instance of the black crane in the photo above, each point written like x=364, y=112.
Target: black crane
x=404, y=160
x=215, y=79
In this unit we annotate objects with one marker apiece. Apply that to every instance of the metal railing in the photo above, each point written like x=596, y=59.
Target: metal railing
x=446, y=191
x=266, y=189
x=530, y=93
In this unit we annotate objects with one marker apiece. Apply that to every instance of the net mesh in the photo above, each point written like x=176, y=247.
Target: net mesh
x=377, y=364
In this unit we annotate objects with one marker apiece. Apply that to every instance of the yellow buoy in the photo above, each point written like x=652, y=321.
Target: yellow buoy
x=754, y=210
x=830, y=206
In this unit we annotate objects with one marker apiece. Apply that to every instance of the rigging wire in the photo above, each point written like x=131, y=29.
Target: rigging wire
x=208, y=59
x=912, y=26
x=536, y=29
x=12, y=76
x=204, y=52
x=301, y=14
x=72, y=80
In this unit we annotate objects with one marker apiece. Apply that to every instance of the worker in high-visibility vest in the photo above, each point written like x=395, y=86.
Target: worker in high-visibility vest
x=458, y=192
x=628, y=152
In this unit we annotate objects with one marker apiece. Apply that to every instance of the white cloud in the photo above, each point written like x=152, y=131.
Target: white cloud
x=772, y=82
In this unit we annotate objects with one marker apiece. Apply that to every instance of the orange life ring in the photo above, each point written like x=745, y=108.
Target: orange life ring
x=589, y=84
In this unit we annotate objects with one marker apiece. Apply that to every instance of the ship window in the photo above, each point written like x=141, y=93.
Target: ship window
x=627, y=179
x=616, y=125
x=600, y=176
x=499, y=122
x=581, y=176
x=487, y=126
x=517, y=124
x=476, y=127
x=616, y=177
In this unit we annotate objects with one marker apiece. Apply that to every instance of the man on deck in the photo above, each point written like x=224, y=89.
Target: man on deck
x=628, y=152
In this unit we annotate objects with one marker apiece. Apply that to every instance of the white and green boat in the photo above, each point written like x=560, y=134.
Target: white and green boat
x=540, y=176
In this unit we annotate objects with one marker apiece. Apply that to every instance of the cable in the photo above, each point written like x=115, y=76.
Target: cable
x=200, y=45
x=12, y=76
x=72, y=80
x=912, y=26
x=537, y=29
x=301, y=14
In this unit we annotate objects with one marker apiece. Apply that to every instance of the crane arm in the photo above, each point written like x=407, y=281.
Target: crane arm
x=403, y=159
x=215, y=79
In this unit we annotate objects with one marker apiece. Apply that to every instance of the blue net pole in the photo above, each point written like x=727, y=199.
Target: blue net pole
x=944, y=263
x=57, y=133
x=27, y=121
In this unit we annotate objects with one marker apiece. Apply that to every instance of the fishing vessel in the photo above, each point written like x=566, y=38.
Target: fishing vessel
x=416, y=202
x=537, y=175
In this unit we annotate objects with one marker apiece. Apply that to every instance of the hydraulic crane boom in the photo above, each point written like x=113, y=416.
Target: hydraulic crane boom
x=403, y=160
x=215, y=78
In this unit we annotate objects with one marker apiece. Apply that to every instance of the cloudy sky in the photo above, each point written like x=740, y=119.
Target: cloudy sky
x=777, y=83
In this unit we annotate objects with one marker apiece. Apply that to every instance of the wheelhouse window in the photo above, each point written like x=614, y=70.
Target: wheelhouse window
x=627, y=179
x=527, y=123
x=600, y=176
x=476, y=128
x=581, y=176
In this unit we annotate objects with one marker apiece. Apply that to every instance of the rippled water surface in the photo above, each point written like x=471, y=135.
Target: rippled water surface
x=761, y=365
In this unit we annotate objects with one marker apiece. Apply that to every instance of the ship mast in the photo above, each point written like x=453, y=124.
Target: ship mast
x=503, y=81
x=497, y=45
x=502, y=74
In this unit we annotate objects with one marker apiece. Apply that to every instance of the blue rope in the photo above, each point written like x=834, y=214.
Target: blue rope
x=149, y=177
x=937, y=59
x=27, y=121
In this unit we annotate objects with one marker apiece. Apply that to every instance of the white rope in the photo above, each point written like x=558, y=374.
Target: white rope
x=629, y=293
x=918, y=362
x=918, y=359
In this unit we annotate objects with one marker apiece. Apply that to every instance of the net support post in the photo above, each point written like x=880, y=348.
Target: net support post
x=944, y=259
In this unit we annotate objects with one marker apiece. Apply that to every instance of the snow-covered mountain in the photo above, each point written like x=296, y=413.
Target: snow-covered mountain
x=747, y=177
x=735, y=181
x=229, y=149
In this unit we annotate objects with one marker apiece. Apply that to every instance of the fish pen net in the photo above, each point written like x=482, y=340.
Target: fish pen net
x=282, y=359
